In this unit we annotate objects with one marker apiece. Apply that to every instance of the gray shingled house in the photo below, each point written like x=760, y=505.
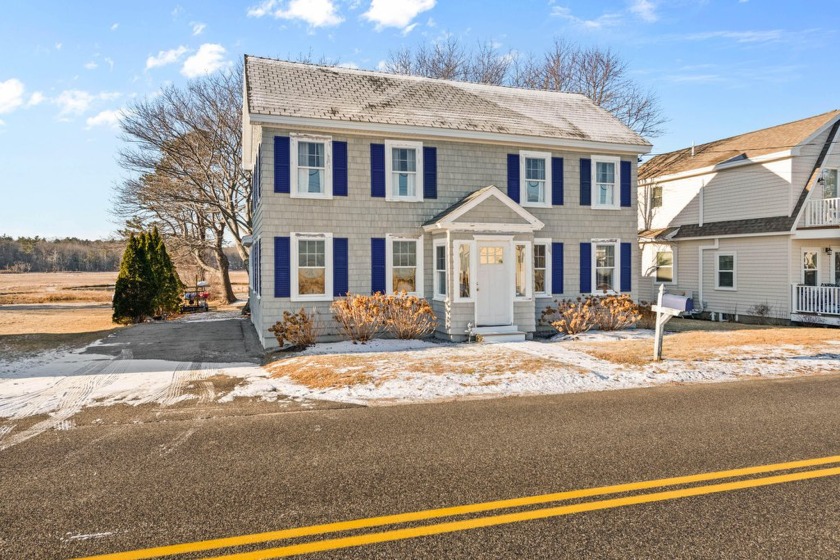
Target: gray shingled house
x=749, y=225
x=488, y=201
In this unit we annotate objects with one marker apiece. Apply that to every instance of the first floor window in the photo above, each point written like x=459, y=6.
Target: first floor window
x=311, y=171
x=809, y=267
x=312, y=267
x=540, y=265
x=521, y=270
x=726, y=271
x=404, y=261
x=605, y=274
x=664, y=266
x=440, y=270
x=464, y=267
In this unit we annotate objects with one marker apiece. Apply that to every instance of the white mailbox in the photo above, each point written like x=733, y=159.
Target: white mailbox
x=680, y=303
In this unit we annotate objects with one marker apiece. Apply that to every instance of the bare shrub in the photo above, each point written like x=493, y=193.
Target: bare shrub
x=570, y=316
x=614, y=313
x=408, y=316
x=361, y=316
x=295, y=328
x=647, y=316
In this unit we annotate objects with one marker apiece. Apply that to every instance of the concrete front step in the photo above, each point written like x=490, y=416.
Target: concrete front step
x=501, y=333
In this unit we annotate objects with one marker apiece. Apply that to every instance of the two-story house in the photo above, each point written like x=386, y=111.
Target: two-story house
x=749, y=225
x=488, y=201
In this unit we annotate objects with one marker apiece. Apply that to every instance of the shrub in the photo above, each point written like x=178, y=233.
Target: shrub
x=361, y=316
x=408, y=316
x=570, y=316
x=614, y=313
x=647, y=319
x=296, y=328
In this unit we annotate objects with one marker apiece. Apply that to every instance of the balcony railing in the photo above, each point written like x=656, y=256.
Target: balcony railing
x=820, y=300
x=825, y=212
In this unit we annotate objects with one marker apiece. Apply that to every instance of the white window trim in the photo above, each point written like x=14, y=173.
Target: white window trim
x=456, y=269
x=673, y=266
x=835, y=249
x=294, y=189
x=734, y=256
x=594, y=183
x=523, y=188
x=435, y=244
x=529, y=271
x=256, y=267
x=389, y=263
x=616, y=289
x=327, y=238
x=548, y=293
x=389, y=171
x=817, y=251
x=824, y=176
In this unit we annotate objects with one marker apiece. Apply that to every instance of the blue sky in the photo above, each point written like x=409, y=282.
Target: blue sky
x=719, y=67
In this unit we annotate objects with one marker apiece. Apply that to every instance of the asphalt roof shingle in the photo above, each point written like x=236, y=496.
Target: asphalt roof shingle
x=281, y=88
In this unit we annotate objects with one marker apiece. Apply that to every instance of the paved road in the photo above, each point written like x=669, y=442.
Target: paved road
x=103, y=489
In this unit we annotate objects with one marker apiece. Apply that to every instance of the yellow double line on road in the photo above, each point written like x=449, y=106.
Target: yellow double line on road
x=487, y=521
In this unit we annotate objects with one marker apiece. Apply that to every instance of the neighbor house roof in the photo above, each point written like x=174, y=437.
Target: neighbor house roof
x=744, y=146
x=276, y=88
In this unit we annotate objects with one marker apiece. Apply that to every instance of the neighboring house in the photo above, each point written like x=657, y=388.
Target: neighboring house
x=749, y=225
x=488, y=201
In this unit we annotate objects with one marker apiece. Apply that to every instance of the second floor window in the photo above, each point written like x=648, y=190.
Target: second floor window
x=830, y=184
x=605, y=181
x=311, y=167
x=404, y=177
x=656, y=197
x=534, y=178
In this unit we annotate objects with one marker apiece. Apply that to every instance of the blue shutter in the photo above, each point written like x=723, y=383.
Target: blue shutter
x=377, y=170
x=341, y=283
x=377, y=262
x=282, y=170
x=282, y=267
x=259, y=267
x=585, y=182
x=429, y=172
x=556, y=268
x=626, y=266
x=513, y=177
x=625, y=183
x=586, y=268
x=339, y=154
x=557, y=181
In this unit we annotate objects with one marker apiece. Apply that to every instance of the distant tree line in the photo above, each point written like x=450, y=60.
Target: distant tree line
x=36, y=254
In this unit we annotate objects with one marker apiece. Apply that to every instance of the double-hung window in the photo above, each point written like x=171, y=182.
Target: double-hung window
x=440, y=270
x=656, y=196
x=725, y=271
x=830, y=188
x=404, y=261
x=664, y=266
x=403, y=171
x=312, y=276
x=810, y=267
x=605, y=269
x=542, y=265
x=535, y=178
x=522, y=270
x=605, y=181
x=311, y=165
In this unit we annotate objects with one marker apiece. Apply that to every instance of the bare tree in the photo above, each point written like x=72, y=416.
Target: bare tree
x=185, y=147
x=487, y=66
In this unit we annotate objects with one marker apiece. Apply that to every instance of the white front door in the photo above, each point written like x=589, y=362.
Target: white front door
x=494, y=303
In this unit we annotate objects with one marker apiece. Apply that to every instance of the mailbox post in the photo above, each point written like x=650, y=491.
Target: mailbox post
x=667, y=306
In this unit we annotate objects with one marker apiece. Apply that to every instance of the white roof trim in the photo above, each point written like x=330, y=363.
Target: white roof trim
x=448, y=221
x=766, y=158
x=431, y=132
x=733, y=235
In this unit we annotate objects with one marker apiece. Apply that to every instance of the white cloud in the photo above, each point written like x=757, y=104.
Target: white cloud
x=110, y=118
x=115, y=26
x=350, y=65
x=109, y=61
x=601, y=22
x=166, y=57
x=739, y=36
x=209, y=58
x=91, y=65
x=197, y=27
x=645, y=9
x=36, y=99
x=396, y=13
x=2, y=122
x=74, y=102
x=317, y=13
x=58, y=46
x=11, y=95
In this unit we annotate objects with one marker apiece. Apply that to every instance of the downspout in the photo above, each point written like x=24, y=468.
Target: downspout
x=700, y=270
x=700, y=203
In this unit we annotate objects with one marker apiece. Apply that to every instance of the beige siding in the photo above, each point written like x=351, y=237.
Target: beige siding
x=803, y=166
x=462, y=168
x=491, y=211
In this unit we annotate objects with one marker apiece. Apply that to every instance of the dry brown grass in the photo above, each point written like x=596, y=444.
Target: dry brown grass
x=701, y=345
x=26, y=331
x=53, y=287
x=345, y=370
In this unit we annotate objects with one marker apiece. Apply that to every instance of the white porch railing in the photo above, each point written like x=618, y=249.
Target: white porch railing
x=825, y=212
x=822, y=300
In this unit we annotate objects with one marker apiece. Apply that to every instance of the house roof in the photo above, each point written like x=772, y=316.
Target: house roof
x=447, y=218
x=744, y=146
x=287, y=89
x=660, y=234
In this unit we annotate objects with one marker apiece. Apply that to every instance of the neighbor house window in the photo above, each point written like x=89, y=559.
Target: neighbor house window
x=403, y=171
x=725, y=273
x=605, y=268
x=404, y=260
x=656, y=197
x=440, y=269
x=605, y=181
x=311, y=166
x=810, y=267
x=541, y=267
x=664, y=266
x=522, y=270
x=830, y=189
x=535, y=178
x=311, y=266
x=464, y=269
